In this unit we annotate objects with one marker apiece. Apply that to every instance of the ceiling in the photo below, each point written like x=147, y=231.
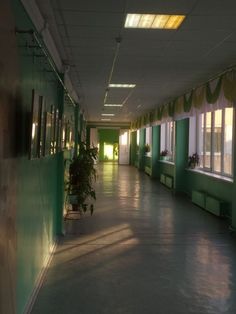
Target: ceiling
x=163, y=64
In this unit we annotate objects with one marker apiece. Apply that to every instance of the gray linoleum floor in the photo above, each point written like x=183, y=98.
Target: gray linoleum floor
x=144, y=251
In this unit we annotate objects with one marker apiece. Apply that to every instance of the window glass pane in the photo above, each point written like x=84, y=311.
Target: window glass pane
x=148, y=139
x=137, y=138
x=192, y=145
x=217, y=145
x=207, y=141
x=228, y=134
x=163, y=137
x=168, y=139
x=172, y=139
x=124, y=138
x=168, y=142
x=201, y=137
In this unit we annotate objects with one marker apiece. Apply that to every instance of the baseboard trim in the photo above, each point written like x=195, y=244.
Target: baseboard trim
x=40, y=279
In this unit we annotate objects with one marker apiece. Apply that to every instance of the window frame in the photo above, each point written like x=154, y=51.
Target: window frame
x=198, y=127
x=148, y=140
x=164, y=143
x=138, y=138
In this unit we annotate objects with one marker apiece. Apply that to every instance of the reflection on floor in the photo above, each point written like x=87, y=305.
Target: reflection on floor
x=144, y=251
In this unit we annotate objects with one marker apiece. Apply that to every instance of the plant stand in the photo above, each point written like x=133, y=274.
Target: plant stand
x=73, y=215
x=73, y=211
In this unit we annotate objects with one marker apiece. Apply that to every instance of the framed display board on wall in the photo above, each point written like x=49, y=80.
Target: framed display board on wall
x=48, y=134
x=42, y=128
x=36, y=111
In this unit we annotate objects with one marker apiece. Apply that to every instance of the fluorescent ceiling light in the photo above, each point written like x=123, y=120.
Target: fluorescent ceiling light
x=132, y=20
x=160, y=21
x=107, y=114
x=122, y=85
x=105, y=119
x=174, y=21
x=113, y=105
x=146, y=20
x=152, y=21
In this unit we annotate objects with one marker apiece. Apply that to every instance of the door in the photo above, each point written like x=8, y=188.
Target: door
x=124, y=152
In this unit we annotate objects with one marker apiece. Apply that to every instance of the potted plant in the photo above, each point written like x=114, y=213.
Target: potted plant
x=82, y=175
x=147, y=149
x=164, y=154
x=193, y=160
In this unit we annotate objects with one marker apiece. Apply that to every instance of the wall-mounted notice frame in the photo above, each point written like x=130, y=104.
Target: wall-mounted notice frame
x=48, y=133
x=36, y=109
x=42, y=128
x=59, y=136
x=68, y=135
x=55, y=144
x=63, y=133
x=55, y=115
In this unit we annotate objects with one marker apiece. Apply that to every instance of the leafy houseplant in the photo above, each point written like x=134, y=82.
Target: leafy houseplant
x=164, y=154
x=147, y=148
x=193, y=160
x=82, y=174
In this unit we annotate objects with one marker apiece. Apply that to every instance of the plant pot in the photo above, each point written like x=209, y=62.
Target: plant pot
x=163, y=157
x=72, y=199
x=75, y=207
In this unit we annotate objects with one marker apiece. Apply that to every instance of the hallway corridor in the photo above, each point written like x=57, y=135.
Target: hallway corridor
x=144, y=251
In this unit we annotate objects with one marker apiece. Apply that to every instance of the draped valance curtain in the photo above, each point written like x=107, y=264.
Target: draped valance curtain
x=216, y=94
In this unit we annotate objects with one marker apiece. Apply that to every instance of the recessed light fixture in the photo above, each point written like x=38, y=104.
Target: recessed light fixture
x=113, y=105
x=153, y=21
x=107, y=114
x=122, y=85
x=105, y=119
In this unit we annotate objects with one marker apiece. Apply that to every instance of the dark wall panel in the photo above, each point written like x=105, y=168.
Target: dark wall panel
x=8, y=100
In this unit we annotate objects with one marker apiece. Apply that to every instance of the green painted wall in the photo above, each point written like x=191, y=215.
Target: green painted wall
x=181, y=153
x=37, y=206
x=40, y=181
x=162, y=166
x=9, y=99
x=215, y=187
x=106, y=136
x=133, y=148
x=167, y=168
x=155, y=151
x=147, y=161
x=141, y=154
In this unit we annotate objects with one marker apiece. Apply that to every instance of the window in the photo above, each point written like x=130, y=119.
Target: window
x=168, y=139
x=148, y=141
x=124, y=138
x=214, y=140
x=137, y=138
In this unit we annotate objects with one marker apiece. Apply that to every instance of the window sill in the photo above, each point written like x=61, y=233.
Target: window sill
x=212, y=175
x=167, y=162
